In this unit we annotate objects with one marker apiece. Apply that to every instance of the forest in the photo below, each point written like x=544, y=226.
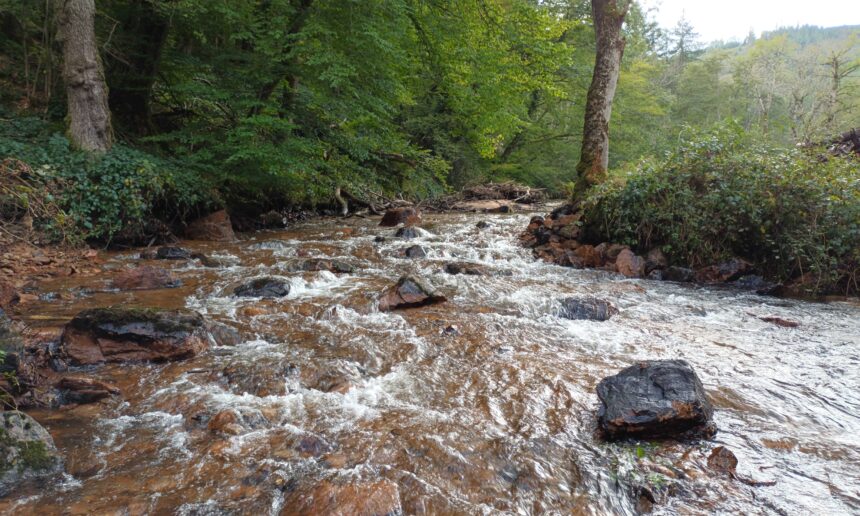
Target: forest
x=386, y=257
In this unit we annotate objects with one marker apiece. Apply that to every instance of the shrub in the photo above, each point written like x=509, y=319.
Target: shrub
x=719, y=195
x=101, y=197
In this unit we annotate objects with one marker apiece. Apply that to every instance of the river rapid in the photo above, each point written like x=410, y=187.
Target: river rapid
x=484, y=404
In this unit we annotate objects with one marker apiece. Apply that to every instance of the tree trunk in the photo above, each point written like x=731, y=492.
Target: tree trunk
x=88, y=113
x=608, y=18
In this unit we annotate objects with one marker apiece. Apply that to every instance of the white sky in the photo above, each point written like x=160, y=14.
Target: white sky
x=732, y=19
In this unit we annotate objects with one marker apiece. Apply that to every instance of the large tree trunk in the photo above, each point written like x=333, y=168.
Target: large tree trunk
x=88, y=113
x=608, y=18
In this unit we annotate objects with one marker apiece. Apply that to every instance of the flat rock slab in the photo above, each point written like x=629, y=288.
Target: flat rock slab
x=652, y=399
x=263, y=287
x=132, y=334
x=396, y=216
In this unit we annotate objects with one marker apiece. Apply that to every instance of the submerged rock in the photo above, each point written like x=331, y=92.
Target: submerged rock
x=396, y=216
x=415, y=251
x=318, y=264
x=586, y=309
x=657, y=398
x=132, y=334
x=83, y=389
x=263, y=287
x=409, y=292
x=172, y=253
x=723, y=460
x=215, y=227
x=27, y=451
x=407, y=232
x=468, y=269
x=214, y=261
x=358, y=498
x=483, y=225
x=758, y=284
x=145, y=277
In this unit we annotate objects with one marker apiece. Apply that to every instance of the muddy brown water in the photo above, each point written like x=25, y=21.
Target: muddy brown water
x=495, y=418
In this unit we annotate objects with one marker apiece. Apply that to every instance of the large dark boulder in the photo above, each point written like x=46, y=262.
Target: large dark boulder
x=263, y=287
x=133, y=334
x=657, y=398
x=395, y=216
x=409, y=292
x=27, y=451
x=586, y=309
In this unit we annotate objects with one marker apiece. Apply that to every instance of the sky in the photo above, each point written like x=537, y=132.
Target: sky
x=733, y=19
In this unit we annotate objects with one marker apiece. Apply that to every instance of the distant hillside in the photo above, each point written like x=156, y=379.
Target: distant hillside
x=810, y=34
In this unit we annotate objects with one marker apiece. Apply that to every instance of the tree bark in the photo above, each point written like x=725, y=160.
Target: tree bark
x=593, y=164
x=87, y=96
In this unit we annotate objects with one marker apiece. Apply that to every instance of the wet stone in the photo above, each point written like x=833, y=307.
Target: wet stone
x=723, y=460
x=678, y=274
x=318, y=264
x=652, y=399
x=27, y=451
x=82, y=389
x=357, y=498
x=145, y=277
x=465, y=268
x=407, y=232
x=586, y=309
x=263, y=287
x=172, y=253
x=395, y=216
x=415, y=251
x=409, y=292
x=132, y=334
x=483, y=225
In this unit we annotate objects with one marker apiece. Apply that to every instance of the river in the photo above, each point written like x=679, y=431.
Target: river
x=484, y=404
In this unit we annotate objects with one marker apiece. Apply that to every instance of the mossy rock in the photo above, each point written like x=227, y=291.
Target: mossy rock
x=27, y=451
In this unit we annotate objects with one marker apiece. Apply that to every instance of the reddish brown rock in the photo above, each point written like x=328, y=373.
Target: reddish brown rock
x=225, y=422
x=723, y=460
x=362, y=498
x=396, y=216
x=629, y=264
x=8, y=295
x=588, y=256
x=83, y=389
x=145, y=277
x=409, y=292
x=121, y=335
x=215, y=227
x=726, y=271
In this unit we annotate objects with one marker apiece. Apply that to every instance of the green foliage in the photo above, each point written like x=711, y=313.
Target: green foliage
x=105, y=196
x=720, y=194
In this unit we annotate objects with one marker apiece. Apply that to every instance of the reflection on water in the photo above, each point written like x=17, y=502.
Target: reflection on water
x=495, y=416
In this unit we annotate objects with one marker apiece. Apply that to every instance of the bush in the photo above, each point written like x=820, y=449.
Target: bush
x=721, y=195
x=101, y=197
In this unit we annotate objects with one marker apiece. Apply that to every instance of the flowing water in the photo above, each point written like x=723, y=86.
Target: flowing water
x=495, y=417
